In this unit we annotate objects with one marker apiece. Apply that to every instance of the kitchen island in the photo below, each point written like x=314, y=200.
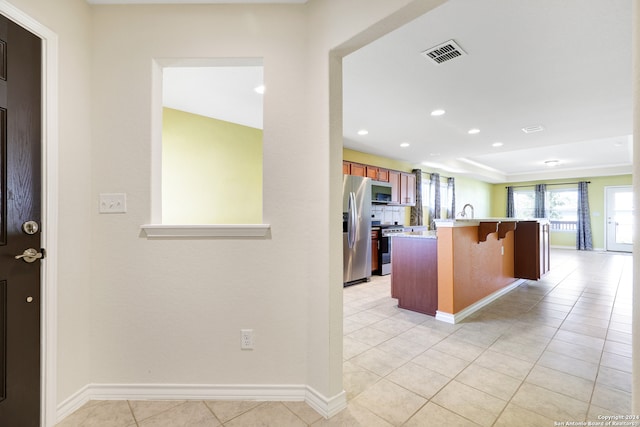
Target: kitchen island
x=466, y=265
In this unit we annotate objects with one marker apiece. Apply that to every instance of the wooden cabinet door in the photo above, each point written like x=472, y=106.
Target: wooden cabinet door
x=358, y=170
x=383, y=175
x=394, y=180
x=372, y=172
x=346, y=168
x=408, y=189
x=526, y=263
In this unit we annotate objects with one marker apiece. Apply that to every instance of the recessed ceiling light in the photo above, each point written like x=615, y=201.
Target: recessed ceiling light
x=438, y=112
x=497, y=144
x=404, y=144
x=551, y=163
x=363, y=132
x=473, y=131
x=260, y=89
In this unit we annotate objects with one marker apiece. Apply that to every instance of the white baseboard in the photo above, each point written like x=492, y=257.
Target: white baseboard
x=326, y=407
x=574, y=248
x=466, y=312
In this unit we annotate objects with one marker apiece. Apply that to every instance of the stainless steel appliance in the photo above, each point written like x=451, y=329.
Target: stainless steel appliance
x=356, y=229
x=384, y=252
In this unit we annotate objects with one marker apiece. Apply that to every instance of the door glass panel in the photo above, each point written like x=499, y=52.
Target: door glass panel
x=623, y=217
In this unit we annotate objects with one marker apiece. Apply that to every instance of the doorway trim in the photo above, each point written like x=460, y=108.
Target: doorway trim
x=49, y=147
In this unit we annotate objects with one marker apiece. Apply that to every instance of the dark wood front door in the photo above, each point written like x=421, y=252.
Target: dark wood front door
x=20, y=182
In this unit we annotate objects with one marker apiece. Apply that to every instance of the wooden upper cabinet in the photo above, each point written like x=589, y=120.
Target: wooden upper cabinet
x=346, y=168
x=408, y=189
x=372, y=172
x=358, y=170
x=403, y=185
x=378, y=174
x=394, y=180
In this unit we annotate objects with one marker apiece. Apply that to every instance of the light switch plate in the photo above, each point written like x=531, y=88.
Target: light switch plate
x=113, y=203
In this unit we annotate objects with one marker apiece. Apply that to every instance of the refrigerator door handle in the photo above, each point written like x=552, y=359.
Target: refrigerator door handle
x=353, y=215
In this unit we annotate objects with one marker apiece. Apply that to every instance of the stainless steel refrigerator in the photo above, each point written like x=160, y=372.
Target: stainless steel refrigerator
x=356, y=229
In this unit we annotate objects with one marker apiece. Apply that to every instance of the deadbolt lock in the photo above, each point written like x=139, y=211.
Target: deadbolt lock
x=30, y=227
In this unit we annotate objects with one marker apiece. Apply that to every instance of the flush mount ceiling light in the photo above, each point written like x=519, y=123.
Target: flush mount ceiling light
x=473, y=131
x=260, y=89
x=533, y=129
x=363, y=132
x=439, y=112
x=497, y=144
x=551, y=163
x=404, y=144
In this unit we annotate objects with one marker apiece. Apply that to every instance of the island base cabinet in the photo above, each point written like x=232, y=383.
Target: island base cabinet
x=531, y=247
x=414, y=274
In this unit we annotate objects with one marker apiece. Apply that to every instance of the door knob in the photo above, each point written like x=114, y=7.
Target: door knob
x=30, y=255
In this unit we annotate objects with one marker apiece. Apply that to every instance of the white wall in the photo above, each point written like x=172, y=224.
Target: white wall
x=138, y=311
x=171, y=311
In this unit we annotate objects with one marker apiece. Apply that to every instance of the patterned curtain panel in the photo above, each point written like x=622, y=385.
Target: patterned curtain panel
x=451, y=192
x=584, y=241
x=434, y=199
x=417, y=215
x=538, y=209
x=511, y=207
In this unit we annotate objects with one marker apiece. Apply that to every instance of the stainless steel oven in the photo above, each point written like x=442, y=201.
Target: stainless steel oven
x=384, y=253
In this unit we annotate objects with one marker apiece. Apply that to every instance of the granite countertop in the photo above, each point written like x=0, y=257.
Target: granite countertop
x=426, y=234
x=468, y=222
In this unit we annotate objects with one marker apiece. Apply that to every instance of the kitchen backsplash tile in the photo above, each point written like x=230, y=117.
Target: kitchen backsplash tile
x=388, y=214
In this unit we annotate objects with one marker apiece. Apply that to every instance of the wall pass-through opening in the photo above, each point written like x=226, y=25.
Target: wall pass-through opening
x=211, y=152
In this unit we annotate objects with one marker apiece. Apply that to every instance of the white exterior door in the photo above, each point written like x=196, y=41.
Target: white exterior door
x=619, y=217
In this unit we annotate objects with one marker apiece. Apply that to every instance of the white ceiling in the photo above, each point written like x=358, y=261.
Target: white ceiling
x=221, y=92
x=565, y=65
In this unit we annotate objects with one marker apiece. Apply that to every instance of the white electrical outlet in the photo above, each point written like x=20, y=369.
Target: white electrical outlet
x=113, y=203
x=246, y=339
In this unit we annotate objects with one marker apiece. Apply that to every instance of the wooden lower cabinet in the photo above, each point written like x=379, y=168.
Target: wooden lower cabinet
x=414, y=274
x=531, y=249
x=375, y=247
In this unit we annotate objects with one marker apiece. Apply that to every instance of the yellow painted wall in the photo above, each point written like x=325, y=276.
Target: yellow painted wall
x=211, y=171
x=596, y=204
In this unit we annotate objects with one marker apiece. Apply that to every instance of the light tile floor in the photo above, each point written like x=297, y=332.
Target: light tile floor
x=553, y=350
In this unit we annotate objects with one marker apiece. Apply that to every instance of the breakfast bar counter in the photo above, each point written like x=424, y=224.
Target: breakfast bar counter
x=463, y=266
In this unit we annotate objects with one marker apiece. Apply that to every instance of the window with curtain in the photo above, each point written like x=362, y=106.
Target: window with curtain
x=441, y=200
x=561, y=207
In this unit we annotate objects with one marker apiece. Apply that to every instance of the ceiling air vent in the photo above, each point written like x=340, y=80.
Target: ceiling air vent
x=444, y=52
x=532, y=129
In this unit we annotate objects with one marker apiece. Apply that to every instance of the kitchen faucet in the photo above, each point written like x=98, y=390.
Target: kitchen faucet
x=463, y=214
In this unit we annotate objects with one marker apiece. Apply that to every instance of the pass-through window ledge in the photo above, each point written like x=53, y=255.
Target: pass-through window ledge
x=186, y=231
